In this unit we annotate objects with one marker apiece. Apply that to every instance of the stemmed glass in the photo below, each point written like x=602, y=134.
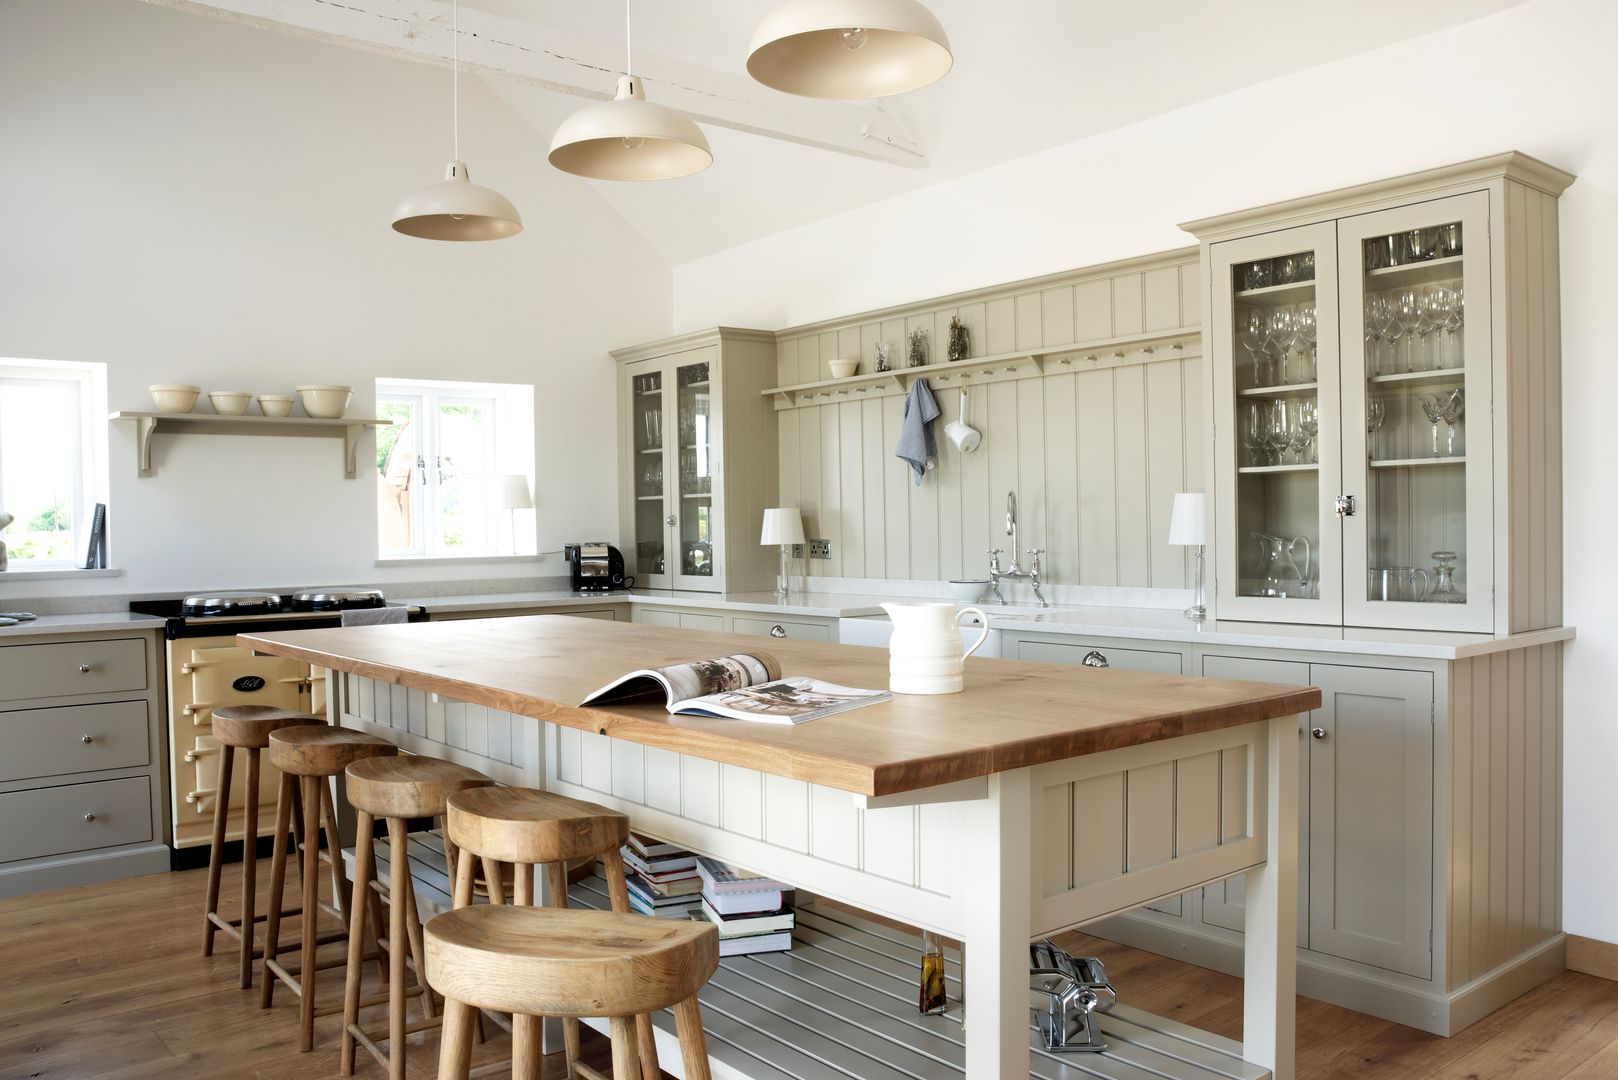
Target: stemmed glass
x=1454, y=318
x=1255, y=339
x=1279, y=432
x=1301, y=433
x=1283, y=335
x=1454, y=406
x=1376, y=411
x=1309, y=424
x=1433, y=406
x=1433, y=307
x=1308, y=334
x=1253, y=434
x=1410, y=319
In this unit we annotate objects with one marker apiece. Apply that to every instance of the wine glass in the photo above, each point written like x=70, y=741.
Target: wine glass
x=1283, y=335
x=1454, y=318
x=1309, y=422
x=1433, y=307
x=1253, y=434
x=1279, y=432
x=1301, y=434
x=1255, y=338
x=1454, y=407
x=1408, y=315
x=1309, y=334
x=1376, y=411
x=1387, y=320
x=1259, y=275
x=1432, y=406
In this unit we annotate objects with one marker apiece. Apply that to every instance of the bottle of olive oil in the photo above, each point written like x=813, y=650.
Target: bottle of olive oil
x=934, y=995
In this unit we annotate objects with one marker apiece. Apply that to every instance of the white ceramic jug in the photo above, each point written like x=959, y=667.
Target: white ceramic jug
x=924, y=654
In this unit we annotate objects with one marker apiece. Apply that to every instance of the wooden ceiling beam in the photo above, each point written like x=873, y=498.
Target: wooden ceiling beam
x=566, y=63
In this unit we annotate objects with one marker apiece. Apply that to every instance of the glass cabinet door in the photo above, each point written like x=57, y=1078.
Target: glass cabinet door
x=1418, y=549
x=652, y=519
x=696, y=482
x=1273, y=334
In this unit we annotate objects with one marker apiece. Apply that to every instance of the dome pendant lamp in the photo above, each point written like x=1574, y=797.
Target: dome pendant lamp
x=629, y=138
x=456, y=208
x=849, y=49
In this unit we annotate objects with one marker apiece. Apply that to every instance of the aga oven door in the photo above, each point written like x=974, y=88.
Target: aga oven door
x=206, y=673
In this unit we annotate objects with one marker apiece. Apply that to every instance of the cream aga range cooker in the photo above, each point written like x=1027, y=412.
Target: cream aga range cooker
x=207, y=670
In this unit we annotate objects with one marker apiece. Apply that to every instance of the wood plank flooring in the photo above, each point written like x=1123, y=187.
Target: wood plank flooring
x=106, y=981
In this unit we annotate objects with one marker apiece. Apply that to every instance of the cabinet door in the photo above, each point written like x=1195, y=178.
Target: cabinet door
x=1371, y=818
x=1225, y=904
x=695, y=490
x=650, y=520
x=1417, y=370
x=1273, y=345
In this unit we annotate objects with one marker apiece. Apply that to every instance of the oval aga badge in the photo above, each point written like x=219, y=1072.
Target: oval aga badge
x=248, y=683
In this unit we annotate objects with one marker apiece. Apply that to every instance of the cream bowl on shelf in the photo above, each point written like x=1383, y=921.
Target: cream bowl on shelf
x=174, y=397
x=969, y=591
x=842, y=369
x=325, y=402
x=275, y=404
x=230, y=402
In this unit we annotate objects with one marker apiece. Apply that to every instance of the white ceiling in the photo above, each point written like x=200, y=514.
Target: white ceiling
x=1029, y=75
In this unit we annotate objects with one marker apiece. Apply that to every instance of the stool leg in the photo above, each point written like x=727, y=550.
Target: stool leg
x=557, y=873
x=398, y=897
x=418, y=949
x=618, y=893
x=221, y=811
x=297, y=832
x=693, y=1044
x=278, y=883
x=496, y=884
x=249, y=868
x=311, y=912
x=455, y=1044
x=623, y=1048
x=364, y=867
x=462, y=896
x=334, y=849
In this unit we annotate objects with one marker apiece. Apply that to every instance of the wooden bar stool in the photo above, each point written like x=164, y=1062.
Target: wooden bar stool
x=534, y=962
x=394, y=789
x=244, y=727
x=528, y=828
x=307, y=758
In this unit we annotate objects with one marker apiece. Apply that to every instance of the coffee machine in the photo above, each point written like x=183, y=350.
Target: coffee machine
x=596, y=567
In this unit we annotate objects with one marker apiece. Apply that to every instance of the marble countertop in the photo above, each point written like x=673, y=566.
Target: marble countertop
x=822, y=605
x=90, y=623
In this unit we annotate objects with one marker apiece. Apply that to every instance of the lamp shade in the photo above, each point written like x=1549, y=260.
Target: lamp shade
x=457, y=209
x=629, y=138
x=514, y=493
x=849, y=49
x=1188, y=524
x=782, y=525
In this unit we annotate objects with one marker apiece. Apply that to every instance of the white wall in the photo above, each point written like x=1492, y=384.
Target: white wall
x=1537, y=78
x=188, y=200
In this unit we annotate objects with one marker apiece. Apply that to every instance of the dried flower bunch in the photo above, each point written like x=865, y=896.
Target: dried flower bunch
x=918, y=347
x=959, y=339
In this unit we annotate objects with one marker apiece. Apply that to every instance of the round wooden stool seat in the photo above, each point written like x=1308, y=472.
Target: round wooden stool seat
x=249, y=726
x=522, y=825
x=407, y=786
x=323, y=751
x=566, y=962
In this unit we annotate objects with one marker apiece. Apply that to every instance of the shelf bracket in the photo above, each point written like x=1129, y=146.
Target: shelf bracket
x=145, y=428
x=351, y=448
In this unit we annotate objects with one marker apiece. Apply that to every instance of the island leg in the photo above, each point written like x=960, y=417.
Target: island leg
x=997, y=868
x=1270, y=972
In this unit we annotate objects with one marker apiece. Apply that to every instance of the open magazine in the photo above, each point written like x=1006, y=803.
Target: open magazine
x=740, y=687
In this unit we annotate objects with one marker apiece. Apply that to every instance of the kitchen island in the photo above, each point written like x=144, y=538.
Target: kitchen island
x=1042, y=798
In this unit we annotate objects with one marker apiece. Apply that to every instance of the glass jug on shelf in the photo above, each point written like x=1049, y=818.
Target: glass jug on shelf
x=1303, y=572
x=1445, y=591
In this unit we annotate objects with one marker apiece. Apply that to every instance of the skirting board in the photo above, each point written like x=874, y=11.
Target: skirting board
x=66, y=872
x=1592, y=957
x=1354, y=986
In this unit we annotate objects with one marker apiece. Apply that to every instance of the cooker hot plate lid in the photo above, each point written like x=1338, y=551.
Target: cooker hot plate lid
x=337, y=599
x=231, y=603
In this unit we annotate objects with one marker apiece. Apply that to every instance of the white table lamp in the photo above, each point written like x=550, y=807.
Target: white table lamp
x=514, y=496
x=1188, y=527
x=783, y=525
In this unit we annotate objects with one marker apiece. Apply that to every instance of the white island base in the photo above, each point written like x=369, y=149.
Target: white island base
x=993, y=862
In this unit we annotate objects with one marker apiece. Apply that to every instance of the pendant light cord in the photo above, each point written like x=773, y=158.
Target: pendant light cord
x=455, y=76
x=629, y=52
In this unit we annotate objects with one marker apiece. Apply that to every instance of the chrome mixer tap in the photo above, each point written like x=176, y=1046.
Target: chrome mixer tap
x=1015, y=570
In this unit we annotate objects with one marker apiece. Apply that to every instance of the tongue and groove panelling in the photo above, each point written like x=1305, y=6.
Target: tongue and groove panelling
x=1095, y=449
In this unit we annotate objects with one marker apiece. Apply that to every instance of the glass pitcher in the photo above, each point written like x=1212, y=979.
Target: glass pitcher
x=1271, y=550
x=1303, y=572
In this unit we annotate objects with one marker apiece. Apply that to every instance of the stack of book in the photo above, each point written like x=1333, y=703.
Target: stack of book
x=753, y=913
x=662, y=878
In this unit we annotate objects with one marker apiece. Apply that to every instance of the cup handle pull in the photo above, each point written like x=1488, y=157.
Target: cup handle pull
x=984, y=619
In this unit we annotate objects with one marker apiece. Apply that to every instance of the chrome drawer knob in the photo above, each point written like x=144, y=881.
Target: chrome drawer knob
x=1095, y=658
x=84, y=669
x=778, y=630
x=1319, y=732
x=89, y=817
x=87, y=739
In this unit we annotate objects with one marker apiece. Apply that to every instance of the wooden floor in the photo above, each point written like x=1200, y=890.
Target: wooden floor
x=107, y=981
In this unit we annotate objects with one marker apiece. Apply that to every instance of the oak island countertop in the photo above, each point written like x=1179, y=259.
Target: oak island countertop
x=1012, y=713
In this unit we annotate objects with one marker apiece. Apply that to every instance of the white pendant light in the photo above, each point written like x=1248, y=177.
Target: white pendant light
x=629, y=138
x=849, y=49
x=455, y=208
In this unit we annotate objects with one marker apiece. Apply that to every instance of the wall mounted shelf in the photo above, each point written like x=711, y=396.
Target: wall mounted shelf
x=1031, y=364
x=147, y=424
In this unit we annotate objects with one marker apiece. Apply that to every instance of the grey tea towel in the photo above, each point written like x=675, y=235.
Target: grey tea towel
x=916, y=442
x=375, y=616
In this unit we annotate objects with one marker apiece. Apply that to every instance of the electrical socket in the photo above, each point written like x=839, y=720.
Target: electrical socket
x=820, y=549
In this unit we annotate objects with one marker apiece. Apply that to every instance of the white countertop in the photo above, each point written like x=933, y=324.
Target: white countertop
x=1145, y=624
x=90, y=623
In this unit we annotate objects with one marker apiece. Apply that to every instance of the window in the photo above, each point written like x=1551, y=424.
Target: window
x=453, y=469
x=53, y=459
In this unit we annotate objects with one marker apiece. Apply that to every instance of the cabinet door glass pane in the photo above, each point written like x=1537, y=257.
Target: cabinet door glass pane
x=696, y=486
x=1414, y=317
x=646, y=436
x=1277, y=424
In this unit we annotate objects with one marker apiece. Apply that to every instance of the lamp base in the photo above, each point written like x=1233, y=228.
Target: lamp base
x=1198, y=610
x=783, y=582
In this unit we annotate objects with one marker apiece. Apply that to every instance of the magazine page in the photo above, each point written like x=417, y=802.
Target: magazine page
x=690, y=680
x=783, y=701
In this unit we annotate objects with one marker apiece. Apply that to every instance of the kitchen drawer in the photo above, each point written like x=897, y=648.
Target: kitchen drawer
x=1065, y=652
x=73, y=739
x=71, y=668
x=802, y=631
x=657, y=617
x=697, y=620
x=75, y=817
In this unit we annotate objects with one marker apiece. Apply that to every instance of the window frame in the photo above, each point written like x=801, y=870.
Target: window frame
x=88, y=446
